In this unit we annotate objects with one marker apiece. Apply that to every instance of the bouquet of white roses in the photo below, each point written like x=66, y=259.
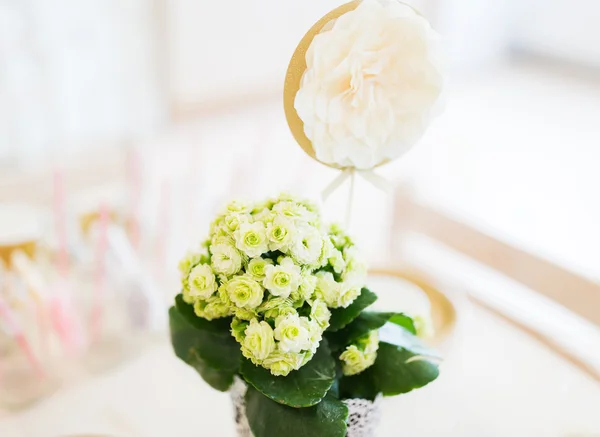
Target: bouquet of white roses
x=277, y=297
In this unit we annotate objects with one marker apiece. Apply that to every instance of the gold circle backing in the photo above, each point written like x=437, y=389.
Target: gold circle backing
x=294, y=74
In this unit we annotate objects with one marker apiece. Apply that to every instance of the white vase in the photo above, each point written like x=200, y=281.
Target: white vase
x=363, y=415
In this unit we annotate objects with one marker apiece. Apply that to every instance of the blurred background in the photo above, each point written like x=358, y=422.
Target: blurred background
x=124, y=126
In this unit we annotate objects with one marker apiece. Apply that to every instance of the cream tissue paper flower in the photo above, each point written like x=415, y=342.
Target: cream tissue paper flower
x=372, y=84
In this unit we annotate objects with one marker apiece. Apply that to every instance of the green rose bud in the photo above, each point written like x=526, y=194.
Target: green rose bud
x=251, y=238
x=424, y=326
x=238, y=329
x=308, y=283
x=327, y=289
x=336, y=260
x=212, y=308
x=244, y=292
x=244, y=314
x=258, y=343
x=356, y=266
x=275, y=307
x=319, y=313
x=360, y=356
x=189, y=261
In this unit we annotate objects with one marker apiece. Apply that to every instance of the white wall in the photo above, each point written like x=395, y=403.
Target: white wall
x=221, y=49
x=563, y=29
x=74, y=73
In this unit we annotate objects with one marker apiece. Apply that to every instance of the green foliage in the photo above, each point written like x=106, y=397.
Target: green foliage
x=340, y=317
x=268, y=418
x=395, y=372
x=362, y=325
x=301, y=388
x=207, y=347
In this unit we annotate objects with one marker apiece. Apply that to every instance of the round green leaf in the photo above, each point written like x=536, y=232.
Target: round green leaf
x=404, y=321
x=216, y=356
x=361, y=325
x=218, y=326
x=340, y=317
x=268, y=418
x=391, y=374
x=301, y=388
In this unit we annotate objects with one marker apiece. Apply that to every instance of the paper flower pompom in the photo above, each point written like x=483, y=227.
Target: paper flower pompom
x=371, y=85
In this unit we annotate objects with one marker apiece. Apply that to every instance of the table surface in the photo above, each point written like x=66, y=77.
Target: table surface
x=495, y=381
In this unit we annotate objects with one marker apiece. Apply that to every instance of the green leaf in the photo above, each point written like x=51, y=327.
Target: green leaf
x=362, y=325
x=301, y=388
x=340, y=317
x=391, y=374
x=404, y=321
x=214, y=354
x=187, y=311
x=268, y=418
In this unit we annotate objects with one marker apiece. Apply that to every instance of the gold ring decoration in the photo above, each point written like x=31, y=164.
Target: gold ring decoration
x=20, y=230
x=27, y=247
x=443, y=311
x=293, y=78
x=88, y=219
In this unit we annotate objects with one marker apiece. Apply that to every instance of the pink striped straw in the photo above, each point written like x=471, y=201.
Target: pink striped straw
x=10, y=320
x=60, y=217
x=135, y=187
x=164, y=215
x=100, y=272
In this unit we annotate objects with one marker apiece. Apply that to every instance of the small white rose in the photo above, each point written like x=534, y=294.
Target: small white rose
x=188, y=262
x=282, y=363
x=212, y=308
x=244, y=292
x=336, y=260
x=258, y=342
x=306, y=248
x=202, y=282
x=275, y=307
x=356, y=265
x=308, y=284
x=282, y=279
x=372, y=84
x=225, y=259
x=348, y=293
x=319, y=313
x=251, y=238
x=328, y=289
x=294, y=211
x=293, y=333
x=232, y=221
x=280, y=232
x=256, y=267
